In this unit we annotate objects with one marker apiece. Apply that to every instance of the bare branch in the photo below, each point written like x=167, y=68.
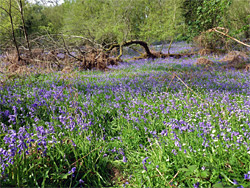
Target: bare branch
x=225, y=34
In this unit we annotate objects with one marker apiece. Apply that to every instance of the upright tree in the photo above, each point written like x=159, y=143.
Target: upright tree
x=20, y=5
x=9, y=15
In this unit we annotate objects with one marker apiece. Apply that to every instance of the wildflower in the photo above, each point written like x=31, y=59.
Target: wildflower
x=247, y=176
x=196, y=185
x=124, y=159
x=220, y=177
x=174, y=152
x=144, y=160
x=73, y=143
x=81, y=181
x=235, y=182
x=72, y=171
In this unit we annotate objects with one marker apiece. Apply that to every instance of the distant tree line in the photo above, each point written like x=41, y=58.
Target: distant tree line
x=114, y=21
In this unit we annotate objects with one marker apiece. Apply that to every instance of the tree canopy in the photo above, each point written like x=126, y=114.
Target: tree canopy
x=109, y=21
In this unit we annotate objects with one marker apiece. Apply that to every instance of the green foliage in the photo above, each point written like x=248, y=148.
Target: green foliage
x=163, y=21
x=239, y=18
x=35, y=18
x=203, y=15
x=103, y=21
x=119, y=20
x=39, y=19
x=6, y=8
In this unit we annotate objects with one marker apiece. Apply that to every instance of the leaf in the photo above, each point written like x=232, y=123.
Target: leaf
x=64, y=176
x=218, y=185
x=192, y=168
x=45, y=177
x=183, y=169
x=225, y=176
x=188, y=173
x=204, y=174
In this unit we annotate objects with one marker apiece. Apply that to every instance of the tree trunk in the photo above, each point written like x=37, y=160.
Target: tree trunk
x=13, y=31
x=20, y=5
x=148, y=53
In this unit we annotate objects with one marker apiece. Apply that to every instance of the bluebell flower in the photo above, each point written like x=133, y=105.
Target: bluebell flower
x=246, y=176
x=196, y=185
x=124, y=159
x=240, y=186
x=235, y=182
x=81, y=181
x=220, y=177
x=72, y=171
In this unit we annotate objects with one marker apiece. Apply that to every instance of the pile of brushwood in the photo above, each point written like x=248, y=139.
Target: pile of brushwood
x=218, y=41
x=85, y=58
x=55, y=60
x=237, y=60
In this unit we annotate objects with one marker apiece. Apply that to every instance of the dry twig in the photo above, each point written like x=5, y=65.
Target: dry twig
x=225, y=34
x=173, y=178
x=85, y=155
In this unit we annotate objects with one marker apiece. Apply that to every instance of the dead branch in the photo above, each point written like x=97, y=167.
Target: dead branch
x=68, y=51
x=84, y=38
x=225, y=34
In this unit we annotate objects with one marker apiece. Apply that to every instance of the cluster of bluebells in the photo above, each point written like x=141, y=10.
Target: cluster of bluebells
x=119, y=153
x=72, y=171
x=41, y=113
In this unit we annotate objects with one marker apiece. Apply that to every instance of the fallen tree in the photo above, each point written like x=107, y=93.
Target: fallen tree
x=148, y=53
x=83, y=53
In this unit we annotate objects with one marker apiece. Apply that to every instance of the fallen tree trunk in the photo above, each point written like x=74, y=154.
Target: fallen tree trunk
x=148, y=53
x=131, y=42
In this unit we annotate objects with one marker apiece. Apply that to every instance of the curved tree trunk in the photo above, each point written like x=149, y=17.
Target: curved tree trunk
x=148, y=53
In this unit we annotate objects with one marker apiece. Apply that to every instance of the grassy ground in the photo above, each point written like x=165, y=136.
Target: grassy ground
x=148, y=123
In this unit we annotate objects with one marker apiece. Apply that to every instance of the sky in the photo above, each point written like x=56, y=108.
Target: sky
x=47, y=2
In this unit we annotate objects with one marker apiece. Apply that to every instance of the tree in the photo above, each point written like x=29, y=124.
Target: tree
x=163, y=20
x=21, y=11
x=204, y=14
x=239, y=18
x=8, y=18
x=120, y=20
